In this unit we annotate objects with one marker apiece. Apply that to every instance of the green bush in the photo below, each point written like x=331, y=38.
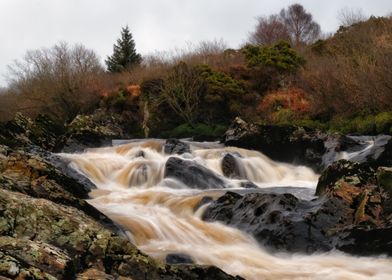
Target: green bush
x=383, y=122
x=363, y=124
x=279, y=56
x=222, y=99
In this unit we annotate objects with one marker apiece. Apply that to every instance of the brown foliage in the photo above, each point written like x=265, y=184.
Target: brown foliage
x=352, y=71
x=293, y=24
x=293, y=99
x=61, y=81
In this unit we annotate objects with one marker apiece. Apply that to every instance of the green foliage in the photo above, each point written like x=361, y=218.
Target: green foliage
x=222, y=99
x=279, y=56
x=124, y=53
x=368, y=124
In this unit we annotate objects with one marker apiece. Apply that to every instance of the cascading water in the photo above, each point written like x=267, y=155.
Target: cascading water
x=162, y=215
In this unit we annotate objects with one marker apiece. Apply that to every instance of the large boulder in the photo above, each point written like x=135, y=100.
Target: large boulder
x=352, y=213
x=192, y=174
x=231, y=167
x=175, y=146
x=95, y=130
x=45, y=240
x=282, y=143
x=22, y=131
x=353, y=173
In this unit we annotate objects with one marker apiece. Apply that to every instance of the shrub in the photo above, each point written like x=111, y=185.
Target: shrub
x=279, y=56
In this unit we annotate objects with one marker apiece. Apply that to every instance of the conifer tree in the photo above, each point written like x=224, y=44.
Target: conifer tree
x=124, y=53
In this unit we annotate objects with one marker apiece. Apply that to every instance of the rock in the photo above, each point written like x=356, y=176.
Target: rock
x=239, y=130
x=231, y=167
x=34, y=257
x=192, y=174
x=22, y=131
x=344, y=171
x=385, y=157
x=61, y=240
x=30, y=174
x=175, y=146
x=384, y=179
x=95, y=130
x=203, y=201
x=362, y=240
x=178, y=259
x=345, y=215
x=282, y=143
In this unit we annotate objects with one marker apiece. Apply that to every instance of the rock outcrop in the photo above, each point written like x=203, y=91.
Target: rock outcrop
x=192, y=174
x=282, y=143
x=352, y=214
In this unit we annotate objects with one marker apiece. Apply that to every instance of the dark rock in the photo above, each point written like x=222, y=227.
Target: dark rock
x=344, y=217
x=231, y=167
x=282, y=143
x=385, y=157
x=178, y=259
x=240, y=129
x=248, y=185
x=192, y=174
x=175, y=146
x=353, y=173
x=365, y=241
x=22, y=131
x=384, y=179
x=203, y=201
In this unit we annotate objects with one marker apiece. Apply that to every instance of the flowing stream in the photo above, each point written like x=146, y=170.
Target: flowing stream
x=161, y=215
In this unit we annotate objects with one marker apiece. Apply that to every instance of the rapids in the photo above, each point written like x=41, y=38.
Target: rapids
x=163, y=216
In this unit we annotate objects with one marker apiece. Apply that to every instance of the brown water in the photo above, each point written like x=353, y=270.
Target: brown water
x=160, y=218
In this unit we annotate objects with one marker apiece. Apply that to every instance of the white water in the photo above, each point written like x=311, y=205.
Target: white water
x=160, y=219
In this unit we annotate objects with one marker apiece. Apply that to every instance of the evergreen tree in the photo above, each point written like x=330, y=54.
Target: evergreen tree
x=124, y=53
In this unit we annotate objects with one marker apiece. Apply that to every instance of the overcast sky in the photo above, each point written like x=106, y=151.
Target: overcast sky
x=155, y=24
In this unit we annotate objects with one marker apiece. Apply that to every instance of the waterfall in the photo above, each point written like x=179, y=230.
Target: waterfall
x=163, y=215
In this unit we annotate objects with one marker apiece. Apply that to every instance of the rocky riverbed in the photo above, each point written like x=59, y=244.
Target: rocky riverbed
x=49, y=231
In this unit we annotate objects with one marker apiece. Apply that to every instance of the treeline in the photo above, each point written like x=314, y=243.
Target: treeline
x=288, y=73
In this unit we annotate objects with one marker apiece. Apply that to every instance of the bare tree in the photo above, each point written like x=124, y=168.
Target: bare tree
x=183, y=90
x=349, y=16
x=59, y=81
x=300, y=25
x=269, y=30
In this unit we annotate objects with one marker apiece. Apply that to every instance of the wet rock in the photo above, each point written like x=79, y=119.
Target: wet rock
x=178, y=259
x=203, y=201
x=385, y=156
x=345, y=171
x=345, y=216
x=67, y=241
x=175, y=146
x=192, y=174
x=22, y=131
x=231, y=167
x=282, y=143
